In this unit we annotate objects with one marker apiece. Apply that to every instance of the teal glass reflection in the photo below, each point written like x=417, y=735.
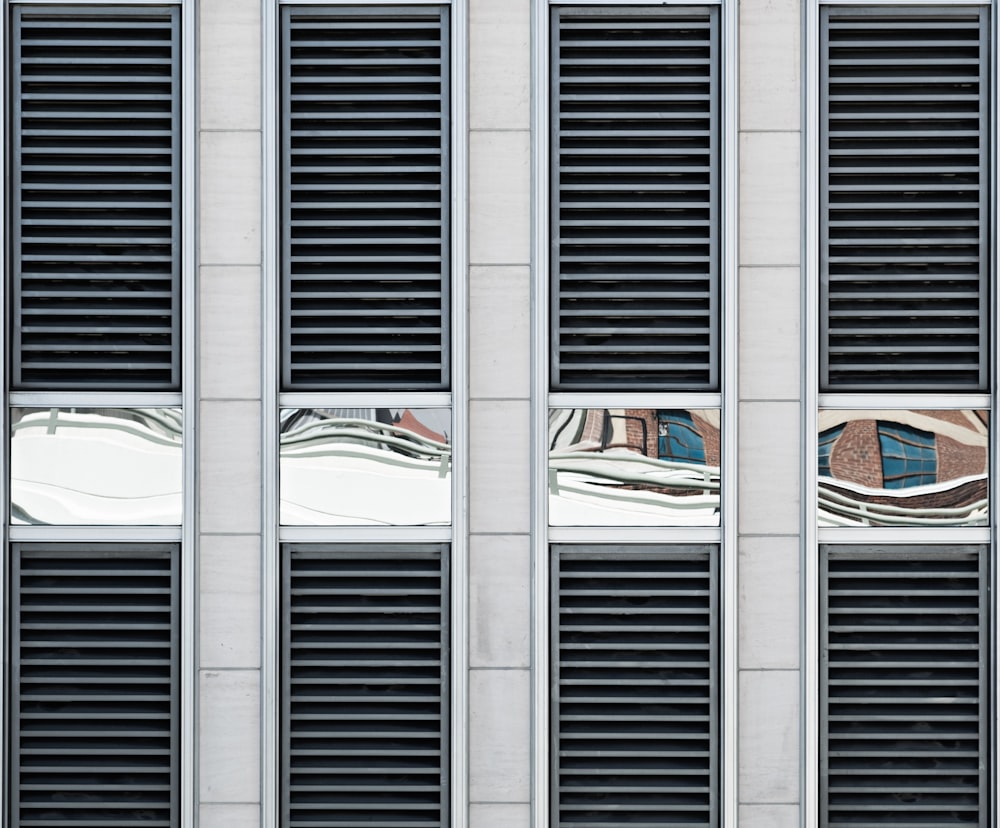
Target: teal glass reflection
x=634, y=467
x=903, y=467
x=365, y=466
x=96, y=466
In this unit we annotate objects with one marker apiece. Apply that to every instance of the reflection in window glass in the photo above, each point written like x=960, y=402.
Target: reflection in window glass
x=903, y=468
x=365, y=466
x=634, y=467
x=96, y=466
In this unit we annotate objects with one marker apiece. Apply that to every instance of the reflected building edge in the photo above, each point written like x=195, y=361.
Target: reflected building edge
x=634, y=467
x=365, y=467
x=95, y=466
x=903, y=468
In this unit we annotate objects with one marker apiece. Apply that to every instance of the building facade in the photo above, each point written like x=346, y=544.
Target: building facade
x=499, y=413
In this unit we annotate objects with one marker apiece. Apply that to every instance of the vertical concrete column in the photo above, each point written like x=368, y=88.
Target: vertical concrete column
x=500, y=372
x=229, y=408
x=769, y=413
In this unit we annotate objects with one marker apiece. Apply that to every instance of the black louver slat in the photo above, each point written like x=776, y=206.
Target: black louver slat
x=95, y=197
x=904, y=216
x=904, y=717
x=635, y=705
x=366, y=242
x=365, y=686
x=635, y=198
x=94, y=688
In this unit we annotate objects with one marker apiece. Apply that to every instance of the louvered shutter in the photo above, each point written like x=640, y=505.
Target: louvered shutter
x=94, y=689
x=365, y=685
x=95, y=197
x=904, y=215
x=365, y=223
x=635, y=198
x=635, y=710
x=904, y=694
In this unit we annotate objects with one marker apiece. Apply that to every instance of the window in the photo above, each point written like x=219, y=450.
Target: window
x=678, y=438
x=909, y=456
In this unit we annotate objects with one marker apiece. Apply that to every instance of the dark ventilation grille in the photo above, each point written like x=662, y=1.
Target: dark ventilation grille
x=365, y=686
x=95, y=198
x=904, y=704
x=635, y=711
x=94, y=688
x=365, y=183
x=905, y=199
x=635, y=198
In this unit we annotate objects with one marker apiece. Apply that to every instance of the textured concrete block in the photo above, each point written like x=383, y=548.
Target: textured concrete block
x=229, y=465
x=500, y=322
x=769, y=343
x=229, y=192
x=499, y=480
x=769, y=758
x=500, y=601
x=229, y=816
x=769, y=468
x=229, y=736
x=229, y=64
x=499, y=735
x=499, y=64
x=229, y=332
x=499, y=816
x=770, y=222
x=770, y=64
x=499, y=198
x=769, y=603
x=769, y=816
x=229, y=595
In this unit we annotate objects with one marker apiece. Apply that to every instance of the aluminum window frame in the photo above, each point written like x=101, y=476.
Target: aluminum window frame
x=186, y=533
x=273, y=400
x=542, y=399
x=813, y=400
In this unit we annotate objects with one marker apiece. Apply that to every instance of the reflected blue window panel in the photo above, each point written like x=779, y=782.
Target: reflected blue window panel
x=365, y=466
x=96, y=466
x=634, y=467
x=903, y=468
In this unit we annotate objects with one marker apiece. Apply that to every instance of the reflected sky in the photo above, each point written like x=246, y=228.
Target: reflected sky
x=365, y=466
x=96, y=466
x=903, y=468
x=634, y=467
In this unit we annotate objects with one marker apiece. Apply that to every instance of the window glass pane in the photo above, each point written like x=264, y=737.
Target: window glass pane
x=903, y=468
x=634, y=467
x=365, y=466
x=87, y=466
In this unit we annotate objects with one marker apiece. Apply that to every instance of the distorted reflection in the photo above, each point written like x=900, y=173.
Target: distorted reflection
x=903, y=468
x=365, y=466
x=634, y=467
x=87, y=466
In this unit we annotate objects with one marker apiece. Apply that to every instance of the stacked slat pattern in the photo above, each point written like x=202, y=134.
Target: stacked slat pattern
x=905, y=199
x=635, y=198
x=635, y=708
x=95, y=185
x=366, y=242
x=904, y=703
x=365, y=701
x=94, y=705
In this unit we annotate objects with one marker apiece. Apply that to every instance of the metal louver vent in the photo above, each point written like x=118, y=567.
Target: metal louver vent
x=904, y=214
x=365, y=685
x=635, y=198
x=904, y=704
x=365, y=182
x=94, y=689
x=635, y=682
x=95, y=184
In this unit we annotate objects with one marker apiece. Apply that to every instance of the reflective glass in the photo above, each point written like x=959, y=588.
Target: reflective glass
x=634, y=467
x=903, y=468
x=365, y=466
x=96, y=466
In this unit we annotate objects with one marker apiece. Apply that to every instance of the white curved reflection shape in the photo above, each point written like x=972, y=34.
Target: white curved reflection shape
x=96, y=466
x=634, y=467
x=903, y=468
x=365, y=467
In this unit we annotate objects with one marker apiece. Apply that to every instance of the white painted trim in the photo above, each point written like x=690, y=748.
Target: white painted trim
x=116, y=399
x=4, y=427
x=635, y=534
x=633, y=400
x=910, y=535
x=95, y=534
x=942, y=402
x=382, y=399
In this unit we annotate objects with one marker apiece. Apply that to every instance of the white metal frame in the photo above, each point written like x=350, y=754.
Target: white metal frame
x=542, y=535
x=813, y=402
x=273, y=534
x=187, y=532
